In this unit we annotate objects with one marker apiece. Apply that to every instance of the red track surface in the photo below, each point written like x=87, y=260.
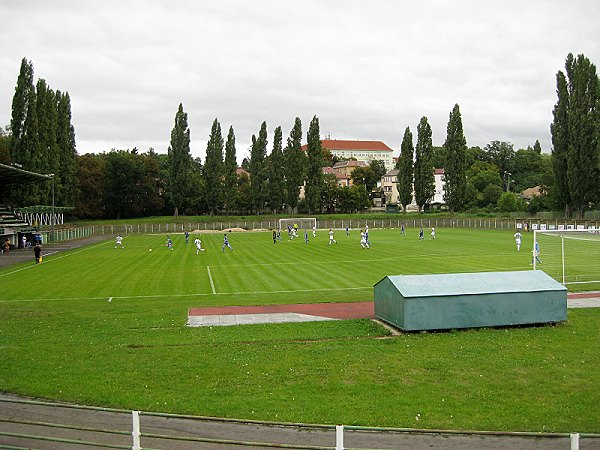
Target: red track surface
x=353, y=310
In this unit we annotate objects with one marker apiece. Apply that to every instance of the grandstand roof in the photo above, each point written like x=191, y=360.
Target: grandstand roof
x=12, y=175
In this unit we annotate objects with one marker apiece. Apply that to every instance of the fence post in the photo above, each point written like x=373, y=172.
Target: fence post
x=339, y=437
x=574, y=441
x=136, y=430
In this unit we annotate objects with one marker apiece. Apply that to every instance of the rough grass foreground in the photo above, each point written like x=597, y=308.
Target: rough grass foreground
x=136, y=353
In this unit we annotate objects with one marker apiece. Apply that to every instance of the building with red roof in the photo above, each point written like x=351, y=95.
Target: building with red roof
x=365, y=151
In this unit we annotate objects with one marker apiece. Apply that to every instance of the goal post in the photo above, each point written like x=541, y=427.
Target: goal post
x=305, y=223
x=571, y=257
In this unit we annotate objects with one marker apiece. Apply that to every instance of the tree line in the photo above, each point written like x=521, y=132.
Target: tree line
x=127, y=183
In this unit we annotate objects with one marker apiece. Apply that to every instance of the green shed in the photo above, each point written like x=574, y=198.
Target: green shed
x=470, y=300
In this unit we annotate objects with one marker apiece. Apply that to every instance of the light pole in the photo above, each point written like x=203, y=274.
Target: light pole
x=53, y=220
x=508, y=175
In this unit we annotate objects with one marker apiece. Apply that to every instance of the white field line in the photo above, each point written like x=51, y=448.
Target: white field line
x=52, y=260
x=204, y=294
x=212, y=285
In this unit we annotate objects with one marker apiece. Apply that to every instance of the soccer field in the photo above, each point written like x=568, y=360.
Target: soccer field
x=61, y=338
x=258, y=271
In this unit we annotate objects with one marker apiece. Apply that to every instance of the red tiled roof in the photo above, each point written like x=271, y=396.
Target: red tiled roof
x=439, y=172
x=349, y=163
x=340, y=144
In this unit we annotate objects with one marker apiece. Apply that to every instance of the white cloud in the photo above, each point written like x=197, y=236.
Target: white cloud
x=366, y=69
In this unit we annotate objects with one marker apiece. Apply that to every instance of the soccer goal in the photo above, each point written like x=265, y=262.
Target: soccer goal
x=303, y=223
x=572, y=257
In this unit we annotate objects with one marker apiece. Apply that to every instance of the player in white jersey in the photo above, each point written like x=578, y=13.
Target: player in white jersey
x=119, y=241
x=518, y=239
x=363, y=240
x=331, y=239
x=432, y=232
x=198, y=243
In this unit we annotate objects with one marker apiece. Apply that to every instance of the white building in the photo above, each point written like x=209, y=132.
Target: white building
x=365, y=151
x=390, y=189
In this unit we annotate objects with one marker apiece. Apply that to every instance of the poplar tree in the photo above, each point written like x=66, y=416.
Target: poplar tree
x=180, y=160
x=65, y=180
x=576, y=136
x=314, y=172
x=24, y=93
x=258, y=178
x=295, y=165
x=456, y=166
x=230, y=173
x=405, y=170
x=276, y=173
x=424, y=178
x=213, y=169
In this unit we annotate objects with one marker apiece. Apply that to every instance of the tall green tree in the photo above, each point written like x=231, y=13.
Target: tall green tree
x=560, y=141
x=258, y=172
x=180, y=160
x=295, y=165
x=405, y=170
x=502, y=155
x=576, y=135
x=47, y=125
x=276, y=173
x=424, y=178
x=230, y=173
x=24, y=93
x=213, y=169
x=455, y=168
x=91, y=172
x=314, y=172
x=66, y=185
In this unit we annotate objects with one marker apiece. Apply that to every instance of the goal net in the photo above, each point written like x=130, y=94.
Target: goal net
x=572, y=257
x=303, y=223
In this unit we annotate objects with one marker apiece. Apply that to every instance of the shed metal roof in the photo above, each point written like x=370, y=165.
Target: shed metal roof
x=474, y=283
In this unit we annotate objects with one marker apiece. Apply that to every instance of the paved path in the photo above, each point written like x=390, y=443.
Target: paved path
x=19, y=416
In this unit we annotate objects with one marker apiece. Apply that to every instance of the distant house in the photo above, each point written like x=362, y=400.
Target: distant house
x=389, y=187
x=364, y=151
x=241, y=171
x=343, y=180
x=528, y=194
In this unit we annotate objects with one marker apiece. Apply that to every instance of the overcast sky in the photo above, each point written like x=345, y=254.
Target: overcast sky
x=366, y=69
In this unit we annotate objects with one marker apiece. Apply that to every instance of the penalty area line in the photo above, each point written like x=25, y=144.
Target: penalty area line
x=212, y=285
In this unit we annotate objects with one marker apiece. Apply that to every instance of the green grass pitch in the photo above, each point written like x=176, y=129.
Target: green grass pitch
x=60, y=337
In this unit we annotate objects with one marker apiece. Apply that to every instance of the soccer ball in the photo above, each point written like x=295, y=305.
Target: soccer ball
x=149, y=249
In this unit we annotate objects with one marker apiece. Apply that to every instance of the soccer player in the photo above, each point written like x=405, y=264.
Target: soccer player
x=274, y=237
x=305, y=236
x=518, y=239
x=432, y=232
x=314, y=230
x=348, y=230
x=278, y=234
x=119, y=241
x=225, y=243
x=363, y=240
x=367, y=235
x=198, y=243
x=402, y=232
x=187, y=237
x=421, y=235
x=536, y=253
x=331, y=239
x=37, y=252
x=169, y=242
